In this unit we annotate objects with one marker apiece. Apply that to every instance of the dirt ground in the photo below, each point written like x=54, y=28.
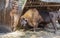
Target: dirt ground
x=28, y=34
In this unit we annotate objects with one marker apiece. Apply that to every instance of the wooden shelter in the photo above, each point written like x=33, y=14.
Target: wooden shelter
x=49, y=6
x=40, y=5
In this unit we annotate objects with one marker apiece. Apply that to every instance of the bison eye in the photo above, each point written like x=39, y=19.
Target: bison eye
x=23, y=18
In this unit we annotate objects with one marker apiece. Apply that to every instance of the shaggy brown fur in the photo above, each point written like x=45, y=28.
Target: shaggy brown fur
x=33, y=18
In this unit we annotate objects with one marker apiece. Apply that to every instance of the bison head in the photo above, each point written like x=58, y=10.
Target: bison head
x=23, y=22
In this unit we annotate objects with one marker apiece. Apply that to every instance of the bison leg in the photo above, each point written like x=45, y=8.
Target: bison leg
x=35, y=26
x=53, y=17
x=55, y=27
x=54, y=24
x=16, y=19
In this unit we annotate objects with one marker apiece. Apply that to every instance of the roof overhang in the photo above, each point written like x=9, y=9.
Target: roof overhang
x=54, y=1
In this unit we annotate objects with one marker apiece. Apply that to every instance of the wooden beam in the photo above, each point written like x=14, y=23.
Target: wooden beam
x=42, y=3
x=51, y=5
x=43, y=6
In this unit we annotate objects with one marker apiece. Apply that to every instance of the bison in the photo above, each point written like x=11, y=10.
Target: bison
x=55, y=18
x=51, y=17
x=31, y=17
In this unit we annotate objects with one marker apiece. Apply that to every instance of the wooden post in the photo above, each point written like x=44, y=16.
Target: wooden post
x=7, y=3
x=22, y=4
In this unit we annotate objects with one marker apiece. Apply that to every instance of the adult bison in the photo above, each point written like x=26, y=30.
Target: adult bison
x=55, y=18
x=51, y=17
x=31, y=17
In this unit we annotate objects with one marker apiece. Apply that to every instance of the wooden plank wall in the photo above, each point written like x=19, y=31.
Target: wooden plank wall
x=7, y=16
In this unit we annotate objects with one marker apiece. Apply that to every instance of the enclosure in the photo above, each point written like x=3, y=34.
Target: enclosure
x=7, y=6
x=40, y=5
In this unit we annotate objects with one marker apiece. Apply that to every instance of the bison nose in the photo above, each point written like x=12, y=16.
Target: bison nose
x=23, y=22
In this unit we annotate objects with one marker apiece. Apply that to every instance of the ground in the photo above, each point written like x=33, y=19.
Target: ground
x=29, y=34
